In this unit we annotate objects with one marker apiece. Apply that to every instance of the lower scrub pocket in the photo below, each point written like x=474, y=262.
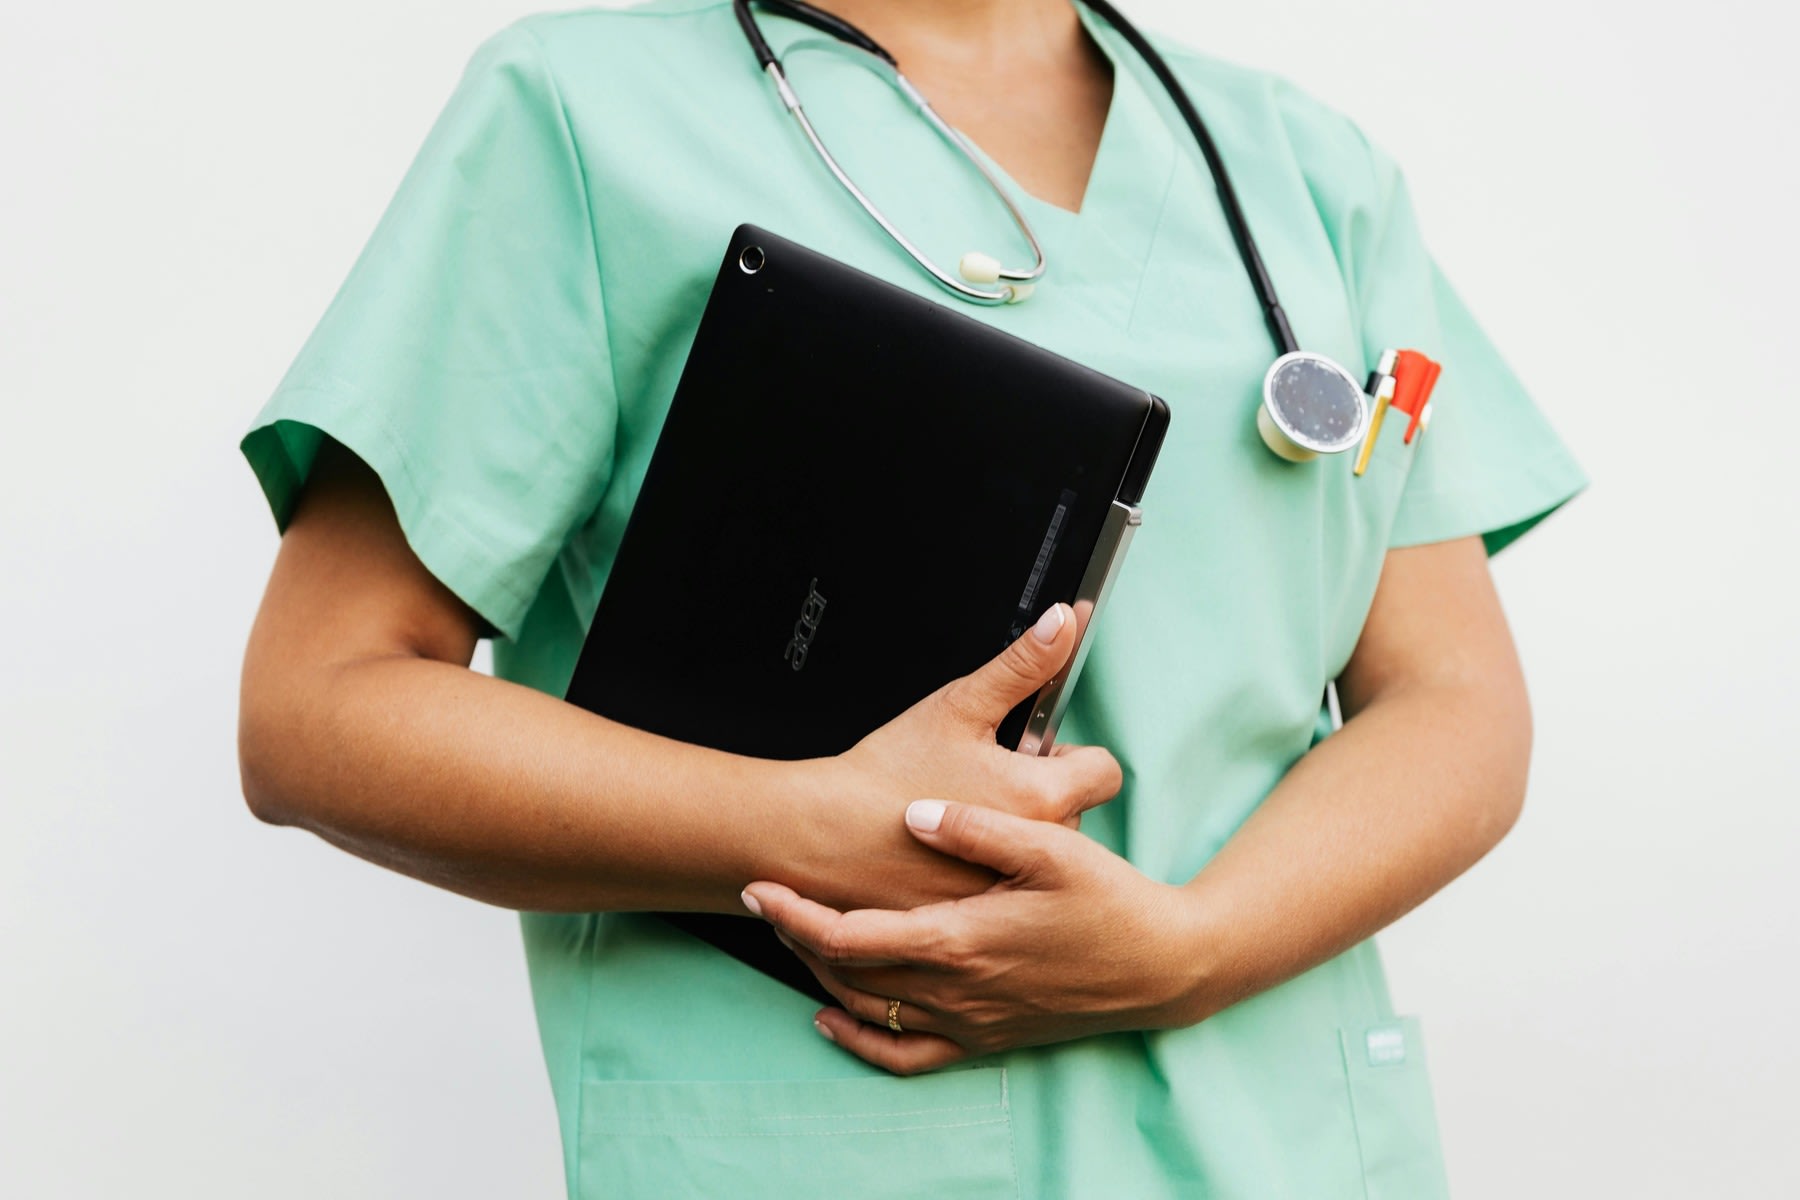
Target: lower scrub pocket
x=946, y=1136
x=1396, y=1123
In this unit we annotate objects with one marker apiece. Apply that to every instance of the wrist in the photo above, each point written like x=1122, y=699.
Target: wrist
x=802, y=810
x=1197, y=948
x=843, y=842
x=829, y=836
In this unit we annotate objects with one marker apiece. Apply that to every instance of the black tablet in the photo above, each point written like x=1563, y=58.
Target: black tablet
x=858, y=494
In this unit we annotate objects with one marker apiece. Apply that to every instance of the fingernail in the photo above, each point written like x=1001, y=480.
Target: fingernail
x=750, y=902
x=925, y=815
x=1049, y=625
x=823, y=1031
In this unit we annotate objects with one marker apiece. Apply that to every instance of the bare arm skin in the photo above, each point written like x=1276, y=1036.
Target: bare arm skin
x=1426, y=776
x=361, y=721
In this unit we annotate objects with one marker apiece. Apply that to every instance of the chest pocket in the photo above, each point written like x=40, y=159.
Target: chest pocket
x=947, y=1136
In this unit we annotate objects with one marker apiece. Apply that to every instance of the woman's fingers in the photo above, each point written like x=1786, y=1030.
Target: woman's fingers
x=1016, y=847
x=861, y=1025
x=984, y=696
x=865, y=1005
x=863, y=937
x=901, y=1053
x=1087, y=777
x=1091, y=775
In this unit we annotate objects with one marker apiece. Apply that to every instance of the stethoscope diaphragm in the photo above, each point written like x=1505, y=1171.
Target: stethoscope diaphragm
x=1310, y=406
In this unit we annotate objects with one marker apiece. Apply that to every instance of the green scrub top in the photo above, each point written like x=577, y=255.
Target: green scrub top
x=504, y=351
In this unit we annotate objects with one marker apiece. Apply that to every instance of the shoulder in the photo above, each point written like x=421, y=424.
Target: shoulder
x=575, y=35
x=1269, y=118
x=592, y=65
x=611, y=57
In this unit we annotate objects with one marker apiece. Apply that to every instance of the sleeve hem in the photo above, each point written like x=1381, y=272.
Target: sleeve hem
x=1500, y=515
x=447, y=548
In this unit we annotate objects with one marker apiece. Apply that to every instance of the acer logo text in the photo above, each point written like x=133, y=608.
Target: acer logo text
x=811, y=613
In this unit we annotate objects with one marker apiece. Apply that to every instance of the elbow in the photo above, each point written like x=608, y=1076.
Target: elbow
x=1510, y=738
x=270, y=750
x=259, y=774
x=1502, y=814
x=262, y=799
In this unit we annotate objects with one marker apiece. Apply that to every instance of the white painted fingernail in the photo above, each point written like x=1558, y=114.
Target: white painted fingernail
x=824, y=1031
x=1049, y=625
x=925, y=815
x=750, y=903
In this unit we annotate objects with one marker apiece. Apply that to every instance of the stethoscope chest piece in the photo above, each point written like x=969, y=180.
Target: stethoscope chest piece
x=1310, y=406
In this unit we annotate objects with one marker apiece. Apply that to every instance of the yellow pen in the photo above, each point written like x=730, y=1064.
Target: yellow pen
x=1381, y=383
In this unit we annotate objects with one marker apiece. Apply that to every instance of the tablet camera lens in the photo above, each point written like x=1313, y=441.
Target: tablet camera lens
x=750, y=260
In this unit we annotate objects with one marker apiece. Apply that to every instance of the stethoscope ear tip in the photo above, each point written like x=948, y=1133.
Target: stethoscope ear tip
x=977, y=267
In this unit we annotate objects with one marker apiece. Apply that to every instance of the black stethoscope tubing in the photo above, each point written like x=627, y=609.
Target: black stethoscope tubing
x=1254, y=267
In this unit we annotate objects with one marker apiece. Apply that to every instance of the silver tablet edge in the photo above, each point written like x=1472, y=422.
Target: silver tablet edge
x=1122, y=520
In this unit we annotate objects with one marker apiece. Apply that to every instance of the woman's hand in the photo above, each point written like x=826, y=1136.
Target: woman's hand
x=1071, y=941
x=944, y=746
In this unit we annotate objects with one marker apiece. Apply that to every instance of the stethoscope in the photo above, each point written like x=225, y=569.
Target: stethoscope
x=1311, y=405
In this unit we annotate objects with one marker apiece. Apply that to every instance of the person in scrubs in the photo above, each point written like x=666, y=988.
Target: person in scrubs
x=1139, y=968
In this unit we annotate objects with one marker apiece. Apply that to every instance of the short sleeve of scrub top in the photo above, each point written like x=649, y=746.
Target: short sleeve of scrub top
x=502, y=355
x=1488, y=463
x=465, y=358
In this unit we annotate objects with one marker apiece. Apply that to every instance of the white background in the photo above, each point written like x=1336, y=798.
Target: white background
x=192, y=1005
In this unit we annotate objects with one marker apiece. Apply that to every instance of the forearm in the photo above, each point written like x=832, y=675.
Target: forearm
x=361, y=721
x=516, y=798
x=1427, y=774
x=1406, y=796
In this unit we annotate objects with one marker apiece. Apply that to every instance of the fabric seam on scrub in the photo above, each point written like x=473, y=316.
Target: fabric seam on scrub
x=1162, y=213
x=591, y=956
x=1124, y=60
x=601, y=337
x=626, y=1117
x=1012, y=1137
x=640, y=10
x=348, y=406
x=1384, y=200
x=1472, y=503
x=1362, y=1166
x=1353, y=298
x=663, y=1131
x=470, y=545
x=1530, y=464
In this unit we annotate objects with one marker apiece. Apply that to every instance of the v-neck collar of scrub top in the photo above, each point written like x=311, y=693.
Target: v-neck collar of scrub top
x=1099, y=253
x=1102, y=249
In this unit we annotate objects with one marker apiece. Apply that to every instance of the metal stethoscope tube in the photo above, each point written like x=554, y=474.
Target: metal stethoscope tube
x=1015, y=283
